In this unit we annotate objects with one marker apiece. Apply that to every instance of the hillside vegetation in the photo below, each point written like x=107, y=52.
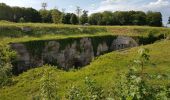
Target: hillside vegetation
x=103, y=69
x=13, y=32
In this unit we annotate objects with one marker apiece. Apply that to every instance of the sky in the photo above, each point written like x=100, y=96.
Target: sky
x=93, y=6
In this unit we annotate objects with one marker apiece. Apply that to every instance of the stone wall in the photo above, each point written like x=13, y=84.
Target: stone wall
x=72, y=54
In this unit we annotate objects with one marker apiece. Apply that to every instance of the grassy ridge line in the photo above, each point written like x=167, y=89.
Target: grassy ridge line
x=103, y=69
x=47, y=37
x=13, y=33
x=48, y=25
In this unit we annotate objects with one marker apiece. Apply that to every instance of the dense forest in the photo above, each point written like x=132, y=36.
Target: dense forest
x=21, y=14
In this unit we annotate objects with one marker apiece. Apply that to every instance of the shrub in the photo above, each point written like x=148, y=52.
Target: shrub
x=6, y=56
x=92, y=91
x=21, y=20
x=95, y=92
x=75, y=94
x=133, y=85
x=48, y=87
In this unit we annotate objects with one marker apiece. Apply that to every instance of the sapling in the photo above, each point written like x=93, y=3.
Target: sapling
x=48, y=87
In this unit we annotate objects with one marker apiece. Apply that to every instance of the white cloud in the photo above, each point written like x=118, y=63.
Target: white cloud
x=158, y=5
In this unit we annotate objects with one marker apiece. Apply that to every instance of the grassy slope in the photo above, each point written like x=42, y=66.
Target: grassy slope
x=103, y=69
x=52, y=31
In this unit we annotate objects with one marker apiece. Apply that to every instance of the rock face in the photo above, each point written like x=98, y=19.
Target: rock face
x=70, y=56
x=76, y=54
x=23, y=57
x=123, y=42
x=102, y=48
x=87, y=53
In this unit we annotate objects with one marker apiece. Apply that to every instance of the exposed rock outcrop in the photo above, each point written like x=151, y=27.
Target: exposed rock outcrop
x=102, y=48
x=23, y=57
x=73, y=54
x=87, y=53
x=123, y=42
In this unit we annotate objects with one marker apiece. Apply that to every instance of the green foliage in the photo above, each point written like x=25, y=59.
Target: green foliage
x=48, y=87
x=56, y=16
x=138, y=18
x=5, y=12
x=92, y=91
x=74, y=19
x=95, y=19
x=84, y=17
x=134, y=86
x=75, y=94
x=95, y=92
x=154, y=18
x=46, y=16
x=21, y=20
x=6, y=55
x=143, y=59
x=15, y=13
x=126, y=18
x=66, y=18
x=105, y=18
x=29, y=14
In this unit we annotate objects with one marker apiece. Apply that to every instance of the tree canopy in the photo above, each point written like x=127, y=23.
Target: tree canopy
x=56, y=16
x=154, y=18
x=21, y=14
x=74, y=19
x=84, y=17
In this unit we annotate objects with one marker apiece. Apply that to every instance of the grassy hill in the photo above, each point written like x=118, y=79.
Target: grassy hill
x=103, y=69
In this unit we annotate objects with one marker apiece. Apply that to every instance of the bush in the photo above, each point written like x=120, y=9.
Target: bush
x=134, y=86
x=6, y=56
x=95, y=92
x=21, y=20
x=75, y=94
x=48, y=87
x=92, y=91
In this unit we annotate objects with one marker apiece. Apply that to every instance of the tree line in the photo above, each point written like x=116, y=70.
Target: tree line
x=21, y=14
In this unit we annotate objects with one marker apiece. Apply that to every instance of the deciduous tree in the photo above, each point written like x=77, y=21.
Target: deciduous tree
x=154, y=18
x=74, y=19
x=84, y=17
x=56, y=16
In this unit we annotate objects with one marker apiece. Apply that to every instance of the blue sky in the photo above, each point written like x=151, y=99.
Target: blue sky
x=98, y=5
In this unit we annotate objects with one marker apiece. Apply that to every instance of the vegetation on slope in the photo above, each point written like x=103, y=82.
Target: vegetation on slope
x=12, y=32
x=103, y=69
